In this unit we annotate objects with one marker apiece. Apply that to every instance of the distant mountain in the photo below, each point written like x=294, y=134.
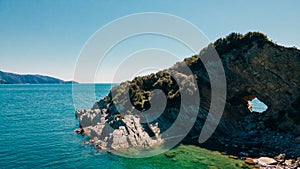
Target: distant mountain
x=11, y=78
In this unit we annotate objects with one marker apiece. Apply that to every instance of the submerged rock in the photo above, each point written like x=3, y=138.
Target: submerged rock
x=170, y=154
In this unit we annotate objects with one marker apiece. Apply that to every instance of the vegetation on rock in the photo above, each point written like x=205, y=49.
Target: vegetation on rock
x=254, y=67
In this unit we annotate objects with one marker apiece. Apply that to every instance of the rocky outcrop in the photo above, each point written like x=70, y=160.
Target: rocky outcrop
x=276, y=162
x=254, y=67
x=257, y=67
x=110, y=131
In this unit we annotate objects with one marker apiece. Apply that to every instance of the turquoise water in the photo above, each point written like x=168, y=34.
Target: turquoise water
x=37, y=131
x=37, y=123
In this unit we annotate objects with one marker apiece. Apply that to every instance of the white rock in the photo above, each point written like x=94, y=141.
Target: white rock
x=264, y=161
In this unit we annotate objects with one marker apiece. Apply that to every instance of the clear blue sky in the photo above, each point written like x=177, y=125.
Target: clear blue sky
x=45, y=36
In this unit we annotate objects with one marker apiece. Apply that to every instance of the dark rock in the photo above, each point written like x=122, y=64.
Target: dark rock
x=244, y=154
x=101, y=104
x=78, y=131
x=250, y=126
x=254, y=67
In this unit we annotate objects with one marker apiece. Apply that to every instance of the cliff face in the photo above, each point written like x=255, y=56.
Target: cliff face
x=257, y=67
x=254, y=67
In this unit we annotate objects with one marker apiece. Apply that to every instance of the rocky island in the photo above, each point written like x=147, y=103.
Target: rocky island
x=254, y=66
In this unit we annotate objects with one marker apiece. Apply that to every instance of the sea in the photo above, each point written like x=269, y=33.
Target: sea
x=37, y=131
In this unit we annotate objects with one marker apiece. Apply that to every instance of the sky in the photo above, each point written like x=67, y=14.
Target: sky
x=46, y=36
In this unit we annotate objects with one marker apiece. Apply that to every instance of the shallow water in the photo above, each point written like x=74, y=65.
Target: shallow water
x=38, y=122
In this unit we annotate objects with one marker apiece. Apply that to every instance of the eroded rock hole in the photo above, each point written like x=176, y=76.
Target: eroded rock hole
x=256, y=105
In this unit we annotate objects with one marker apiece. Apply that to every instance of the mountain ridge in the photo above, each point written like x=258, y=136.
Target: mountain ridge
x=14, y=78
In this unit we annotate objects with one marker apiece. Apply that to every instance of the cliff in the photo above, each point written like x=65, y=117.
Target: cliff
x=11, y=78
x=254, y=67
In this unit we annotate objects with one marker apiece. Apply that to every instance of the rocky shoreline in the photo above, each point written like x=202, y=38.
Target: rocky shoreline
x=254, y=66
x=109, y=131
x=278, y=162
x=118, y=137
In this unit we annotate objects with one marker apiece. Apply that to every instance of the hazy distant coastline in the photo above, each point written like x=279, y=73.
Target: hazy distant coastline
x=12, y=78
